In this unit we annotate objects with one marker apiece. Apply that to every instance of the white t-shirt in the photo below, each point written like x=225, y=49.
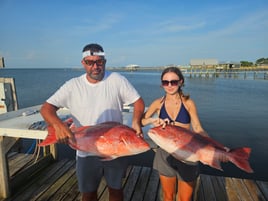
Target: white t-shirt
x=90, y=104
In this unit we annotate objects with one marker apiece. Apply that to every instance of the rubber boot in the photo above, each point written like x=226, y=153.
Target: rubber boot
x=185, y=190
x=115, y=194
x=168, y=187
x=92, y=196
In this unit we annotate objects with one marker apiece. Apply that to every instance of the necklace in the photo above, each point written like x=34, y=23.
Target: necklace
x=176, y=100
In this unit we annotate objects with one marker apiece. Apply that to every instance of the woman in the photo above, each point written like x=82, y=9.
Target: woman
x=180, y=110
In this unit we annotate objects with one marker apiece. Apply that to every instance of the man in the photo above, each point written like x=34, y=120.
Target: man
x=95, y=97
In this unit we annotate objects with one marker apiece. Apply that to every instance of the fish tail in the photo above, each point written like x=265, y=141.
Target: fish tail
x=51, y=137
x=240, y=157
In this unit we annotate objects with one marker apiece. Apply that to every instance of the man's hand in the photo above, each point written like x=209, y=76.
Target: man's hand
x=137, y=128
x=63, y=133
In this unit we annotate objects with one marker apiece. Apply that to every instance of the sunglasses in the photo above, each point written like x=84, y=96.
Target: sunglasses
x=172, y=82
x=99, y=62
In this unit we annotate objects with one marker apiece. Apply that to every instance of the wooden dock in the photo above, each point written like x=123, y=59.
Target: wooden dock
x=56, y=180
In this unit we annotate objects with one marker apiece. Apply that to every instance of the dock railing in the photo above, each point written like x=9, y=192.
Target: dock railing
x=13, y=127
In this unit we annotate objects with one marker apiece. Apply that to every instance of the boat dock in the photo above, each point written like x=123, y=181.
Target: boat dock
x=41, y=176
x=241, y=73
x=57, y=181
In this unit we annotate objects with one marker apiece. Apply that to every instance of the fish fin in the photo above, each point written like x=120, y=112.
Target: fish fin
x=69, y=122
x=243, y=152
x=51, y=137
x=240, y=156
x=106, y=158
x=123, y=139
x=75, y=129
x=216, y=164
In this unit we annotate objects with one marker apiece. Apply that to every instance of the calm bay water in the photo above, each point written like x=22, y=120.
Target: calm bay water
x=232, y=111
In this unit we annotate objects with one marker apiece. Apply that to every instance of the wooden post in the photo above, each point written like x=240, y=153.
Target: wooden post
x=2, y=63
x=4, y=173
x=53, y=151
x=8, y=95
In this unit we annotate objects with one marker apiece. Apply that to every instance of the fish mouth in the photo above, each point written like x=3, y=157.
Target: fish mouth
x=150, y=132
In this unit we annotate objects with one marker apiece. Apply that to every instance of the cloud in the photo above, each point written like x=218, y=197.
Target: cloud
x=97, y=25
x=180, y=26
x=244, y=25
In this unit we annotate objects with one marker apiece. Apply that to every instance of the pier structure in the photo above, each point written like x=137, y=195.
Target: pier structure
x=242, y=73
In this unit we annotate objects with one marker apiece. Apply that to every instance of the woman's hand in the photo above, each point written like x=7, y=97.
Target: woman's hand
x=160, y=122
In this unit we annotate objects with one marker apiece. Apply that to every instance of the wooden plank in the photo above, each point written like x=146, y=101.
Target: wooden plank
x=42, y=181
x=231, y=190
x=26, y=174
x=10, y=142
x=263, y=186
x=198, y=192
x=241, y=190
x=254, y=191
x=54, y=192
x=160, y=194
x=103, y=193
x=152, y=188
x=73, y=193
x=131, y=183
x=61, y=190
x=208, y=187
x=141, y=184
x=19, y=162
x=219, y=188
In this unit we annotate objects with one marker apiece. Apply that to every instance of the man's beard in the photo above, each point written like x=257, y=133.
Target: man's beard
x=97, y=77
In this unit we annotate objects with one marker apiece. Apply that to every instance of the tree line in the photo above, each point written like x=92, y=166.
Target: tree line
x=259, y=62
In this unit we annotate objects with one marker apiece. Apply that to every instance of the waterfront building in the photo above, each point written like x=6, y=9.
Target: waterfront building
x=204, y=63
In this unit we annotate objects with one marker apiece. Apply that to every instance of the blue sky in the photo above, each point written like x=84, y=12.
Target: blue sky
x=51, y=34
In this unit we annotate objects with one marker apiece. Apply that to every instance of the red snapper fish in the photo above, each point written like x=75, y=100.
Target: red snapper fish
x=188, y=146
x=108, y=140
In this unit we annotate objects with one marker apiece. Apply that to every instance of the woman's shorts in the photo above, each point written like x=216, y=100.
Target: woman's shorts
x=169, y=166
x=91, y=169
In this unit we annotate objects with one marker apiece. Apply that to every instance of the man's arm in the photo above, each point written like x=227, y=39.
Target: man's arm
x=49, y=113
x=137, y=115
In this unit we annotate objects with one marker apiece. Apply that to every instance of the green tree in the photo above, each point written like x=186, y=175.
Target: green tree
x=262, y=61
x=246, y=63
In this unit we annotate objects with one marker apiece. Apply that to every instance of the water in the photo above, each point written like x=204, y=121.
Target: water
x=233, y=111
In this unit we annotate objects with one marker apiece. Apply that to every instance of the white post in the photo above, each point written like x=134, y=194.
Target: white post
x=4, y=173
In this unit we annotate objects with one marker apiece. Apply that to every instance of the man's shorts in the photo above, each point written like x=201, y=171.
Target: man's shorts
x=169, y=166
x=91, y=169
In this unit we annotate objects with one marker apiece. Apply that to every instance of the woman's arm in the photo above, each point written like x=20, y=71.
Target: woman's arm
x=151, y=111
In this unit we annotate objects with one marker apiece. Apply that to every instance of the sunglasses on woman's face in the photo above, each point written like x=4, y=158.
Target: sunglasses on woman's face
x=172, y=82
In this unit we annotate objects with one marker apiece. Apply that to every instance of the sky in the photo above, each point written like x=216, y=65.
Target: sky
x=52, y=33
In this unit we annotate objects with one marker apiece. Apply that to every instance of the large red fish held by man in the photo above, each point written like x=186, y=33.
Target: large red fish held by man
x=188, y=146
x=108, y=140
